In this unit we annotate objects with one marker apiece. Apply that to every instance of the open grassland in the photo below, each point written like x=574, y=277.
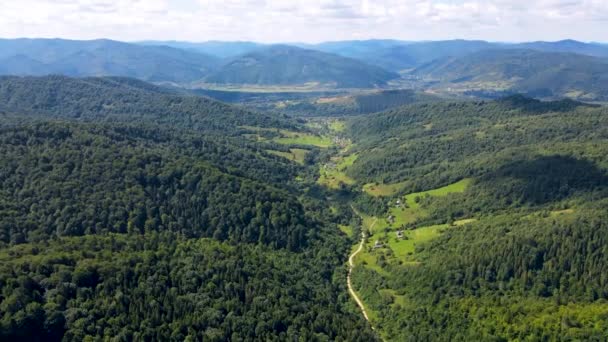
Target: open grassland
x=296, y=138
x=383, y=229
x=332, y=174
x=386, y=190
x=409, y=210
x=337, y=126
x=332, y=178
x=460, y=186
x=346, y=229
x=404, y=248
x=378, y=190
x=296, y=154
x=255, y=88
x=286, y=137
x=346, y=162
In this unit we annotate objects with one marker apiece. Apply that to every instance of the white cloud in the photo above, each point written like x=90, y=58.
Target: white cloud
x=305, y=20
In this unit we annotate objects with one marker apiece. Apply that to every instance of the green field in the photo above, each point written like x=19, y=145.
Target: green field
x=297, y=154
x=332, y=174
x=286, y=137
x=346, y=162
x=383, y=230
x=337, y=126
x=460, y=186
x=346, y=229
x=410, y=210
x=294, y=138
x=378, y=190
x=404, y=249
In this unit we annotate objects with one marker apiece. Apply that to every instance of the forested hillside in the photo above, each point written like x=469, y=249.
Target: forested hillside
x=289, y=65
x=123, y=100
x=346, y=105
x=539, y=74
x=78, y=179
x=322, y=104
x=491, y=222
x=38, y=57
x=400, y=55
x=130, y=212
x=133, y=211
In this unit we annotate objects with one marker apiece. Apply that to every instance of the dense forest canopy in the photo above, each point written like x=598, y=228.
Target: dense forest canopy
x=519, y=252
x=289, y=65
x=136, y=212
x=126, y=100
x=132, y=213
x=536, y=73
x=439, y=143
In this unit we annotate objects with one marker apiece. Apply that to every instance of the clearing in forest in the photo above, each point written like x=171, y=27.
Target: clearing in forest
x=333, y=173
x=297, y=138
x=296, y=154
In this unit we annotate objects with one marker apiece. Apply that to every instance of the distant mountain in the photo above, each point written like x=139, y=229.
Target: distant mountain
x=590, y=49
x=399, y=55
x=289, y=65
x=542, y=74
x=102, y=58
x=215, y=48
x=356, y=48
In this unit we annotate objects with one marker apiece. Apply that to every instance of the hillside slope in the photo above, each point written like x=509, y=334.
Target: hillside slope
x=38, y=57
x=288, y=65
x=532, y=72
x=501, y=208
x=129, y=212
x=400, y=55
x=126, y=100
x=354, y=103
x=218, y=49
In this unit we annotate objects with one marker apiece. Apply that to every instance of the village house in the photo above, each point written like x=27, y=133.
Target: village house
x=330, y=166
x=378, y=244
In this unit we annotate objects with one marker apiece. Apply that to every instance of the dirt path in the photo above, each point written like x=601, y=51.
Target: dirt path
x=351, y=264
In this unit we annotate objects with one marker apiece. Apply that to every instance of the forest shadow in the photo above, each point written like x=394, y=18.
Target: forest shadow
x=529, y=104
x=545, y=179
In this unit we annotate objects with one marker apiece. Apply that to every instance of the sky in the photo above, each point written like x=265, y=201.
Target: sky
x=306, y=20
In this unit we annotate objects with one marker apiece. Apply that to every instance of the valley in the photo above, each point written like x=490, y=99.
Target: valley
x=451, y=68
x=347, y=191
x=414, y=261
x=303, y=171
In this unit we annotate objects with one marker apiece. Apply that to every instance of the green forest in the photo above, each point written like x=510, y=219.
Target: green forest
x=129, y=213
x=132, y=212
x=517, y=254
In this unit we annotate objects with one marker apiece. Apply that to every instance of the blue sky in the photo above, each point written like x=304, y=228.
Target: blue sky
x=306, y=20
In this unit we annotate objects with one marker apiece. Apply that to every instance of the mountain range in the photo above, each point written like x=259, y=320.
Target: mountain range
x=539, y=74
x=546, y=69
x=287, y=65
x=102, y=58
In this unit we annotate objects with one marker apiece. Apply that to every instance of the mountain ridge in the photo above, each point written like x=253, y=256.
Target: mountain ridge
x=289, y=65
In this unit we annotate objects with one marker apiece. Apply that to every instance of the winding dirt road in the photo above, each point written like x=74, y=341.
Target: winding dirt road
x=351, y=264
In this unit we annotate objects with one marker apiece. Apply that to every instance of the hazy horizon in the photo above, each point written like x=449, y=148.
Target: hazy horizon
x=274, y=21
x=302, y=42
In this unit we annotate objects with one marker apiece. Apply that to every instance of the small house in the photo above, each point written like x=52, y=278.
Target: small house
x=378, y=244
x=400, y=235
x=391, y=219
x=331, y=166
